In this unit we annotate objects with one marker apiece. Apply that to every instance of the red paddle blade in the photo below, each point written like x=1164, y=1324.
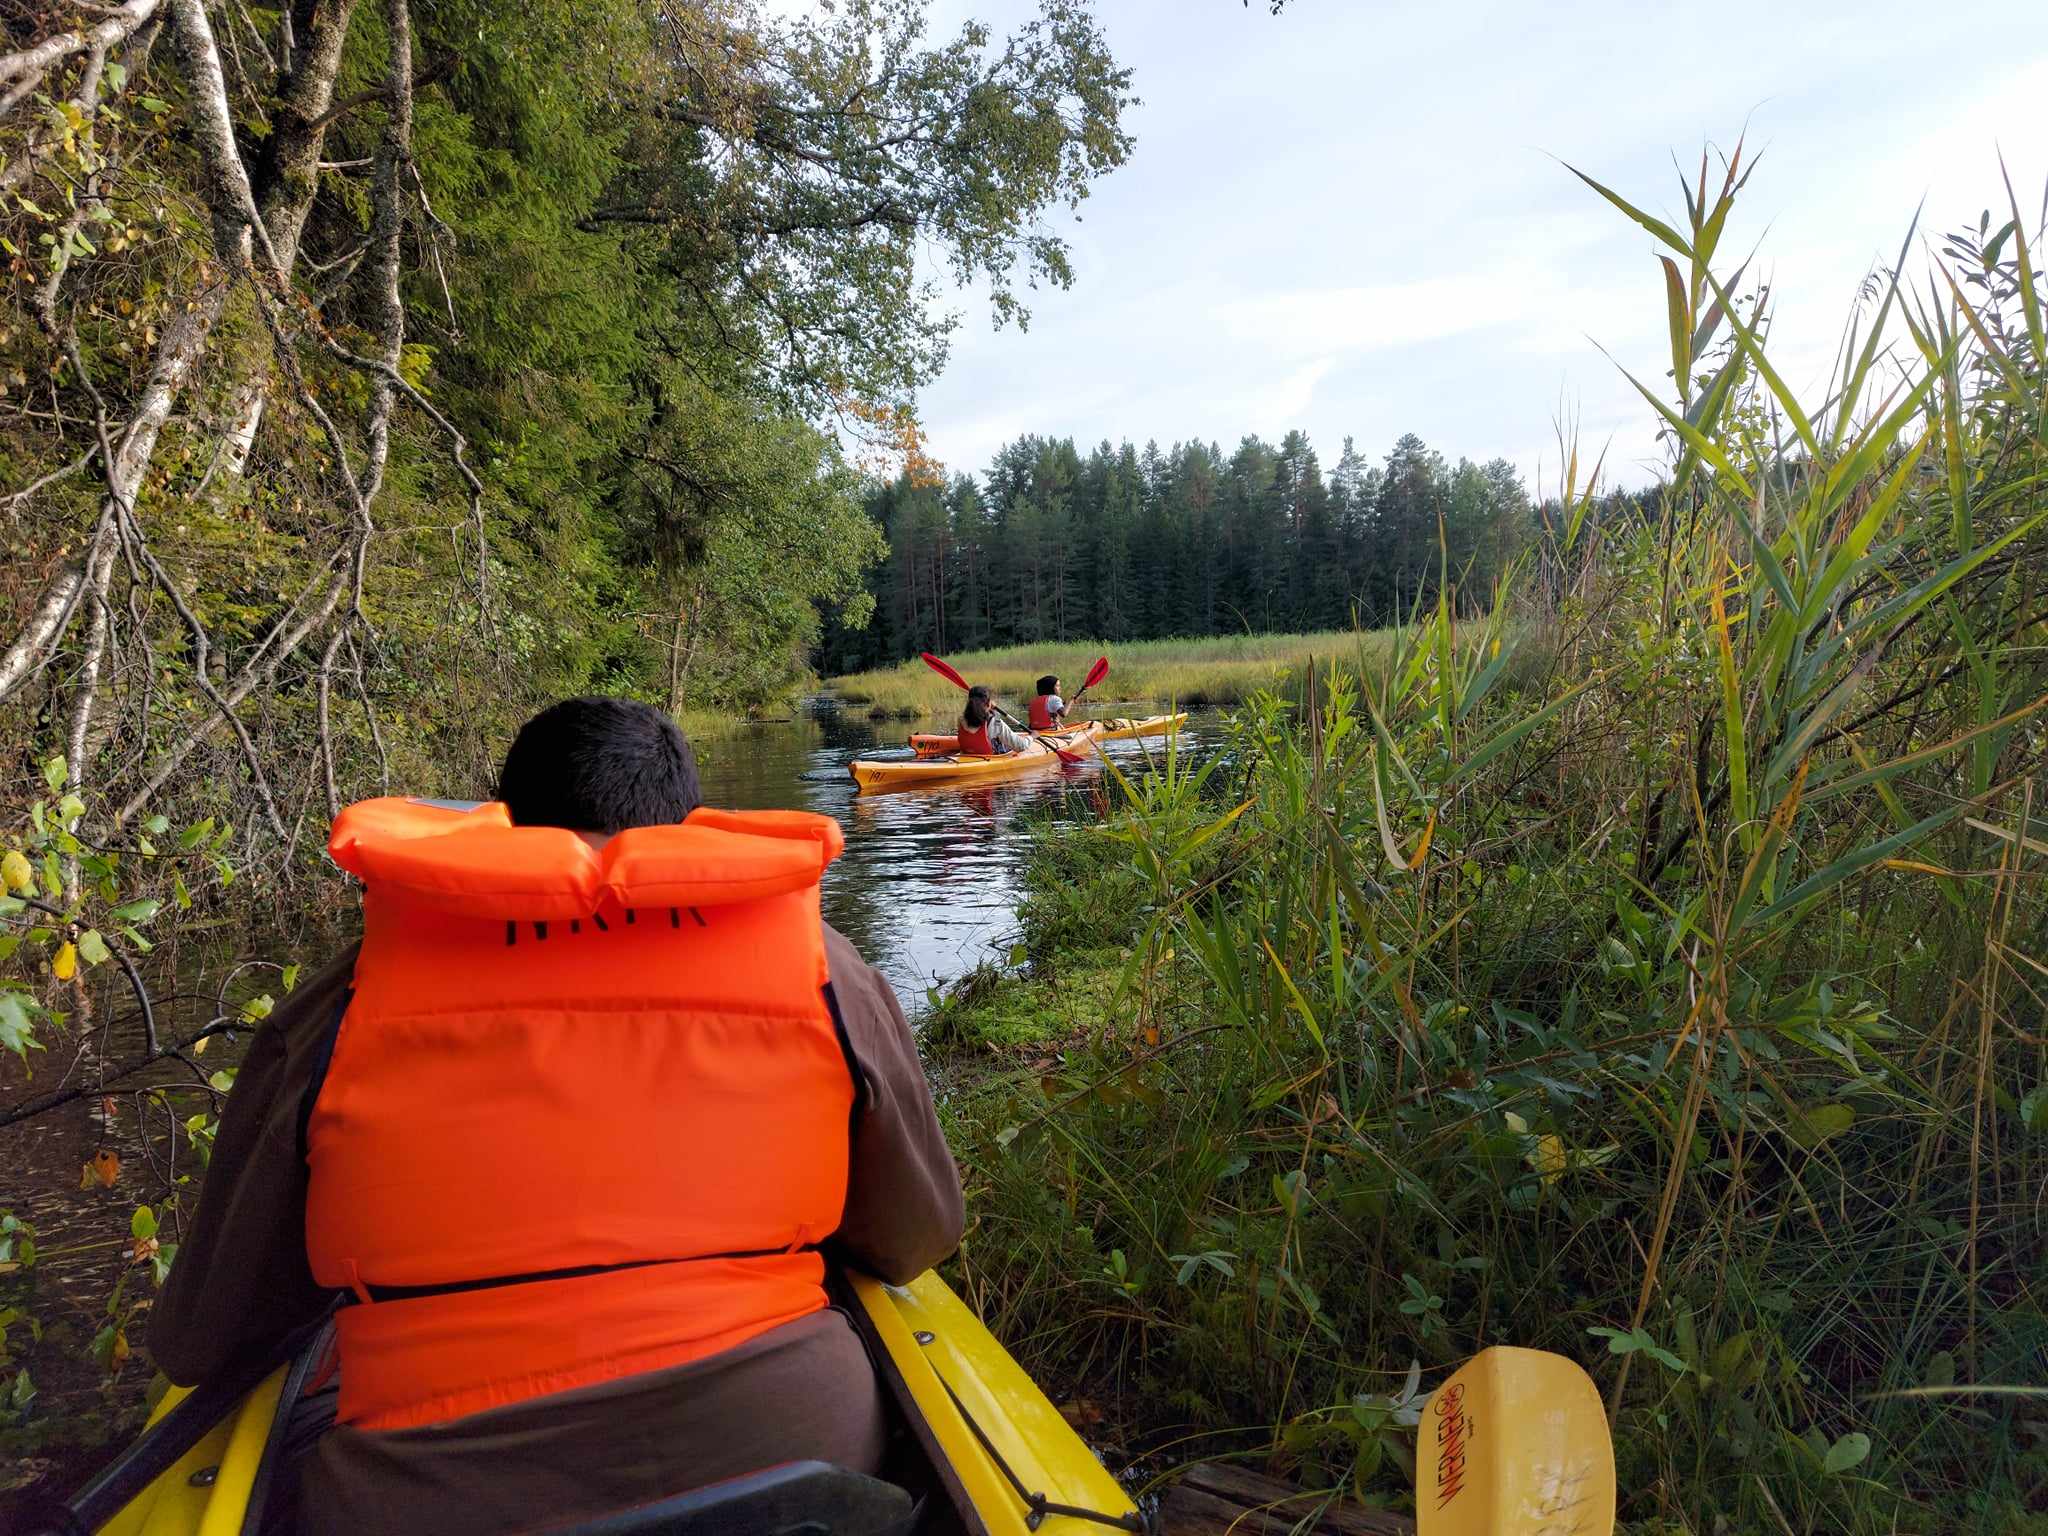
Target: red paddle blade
x=943, y=670
x=1096, y=673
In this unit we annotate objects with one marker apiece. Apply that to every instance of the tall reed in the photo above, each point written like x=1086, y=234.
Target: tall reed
x=1651, y=970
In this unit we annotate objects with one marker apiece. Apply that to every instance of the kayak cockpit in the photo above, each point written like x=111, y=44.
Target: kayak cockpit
x=976, y=1450
x=799, y=1496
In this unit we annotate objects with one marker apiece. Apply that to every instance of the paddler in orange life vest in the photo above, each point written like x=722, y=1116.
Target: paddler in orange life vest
x=981, y=731
x=1048, y=709
x=566, y=1145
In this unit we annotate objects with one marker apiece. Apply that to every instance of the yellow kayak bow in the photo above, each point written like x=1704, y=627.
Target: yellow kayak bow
x=995, y=1449
x=1514, y=1443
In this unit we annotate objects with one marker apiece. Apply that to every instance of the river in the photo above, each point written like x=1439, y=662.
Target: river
x=927, y=888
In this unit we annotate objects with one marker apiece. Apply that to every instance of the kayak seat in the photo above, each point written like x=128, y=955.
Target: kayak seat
x=798, y=1498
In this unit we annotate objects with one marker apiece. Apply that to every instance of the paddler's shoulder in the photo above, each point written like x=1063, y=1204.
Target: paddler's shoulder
x=309, y=1009
x=842, y=961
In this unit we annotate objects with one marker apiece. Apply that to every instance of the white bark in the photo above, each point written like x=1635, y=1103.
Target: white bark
x=45, y=627
x=245, y=415
x=306, y=98
x=26, y=69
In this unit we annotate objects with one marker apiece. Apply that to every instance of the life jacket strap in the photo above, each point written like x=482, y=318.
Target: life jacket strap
x=381, y=1293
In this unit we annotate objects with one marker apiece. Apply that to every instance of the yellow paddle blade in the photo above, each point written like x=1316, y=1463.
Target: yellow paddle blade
x=1515, y=1444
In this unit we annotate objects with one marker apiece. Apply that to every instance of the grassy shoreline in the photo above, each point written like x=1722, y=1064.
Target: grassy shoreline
x=1226, y=1202
x=1220, y=670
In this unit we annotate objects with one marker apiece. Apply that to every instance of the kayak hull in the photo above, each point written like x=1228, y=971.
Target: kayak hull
x=955, y=768
x=972, y=1409
x=960, y=768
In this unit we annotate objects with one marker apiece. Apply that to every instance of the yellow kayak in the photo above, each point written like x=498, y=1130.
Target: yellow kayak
x=949, y=767
x=995, y=1456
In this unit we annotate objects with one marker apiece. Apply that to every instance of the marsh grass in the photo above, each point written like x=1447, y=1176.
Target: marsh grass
x=1651, y=971
x=1191, y=674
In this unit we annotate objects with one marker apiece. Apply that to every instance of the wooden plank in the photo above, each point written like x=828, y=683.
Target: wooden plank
x=1213, y=1499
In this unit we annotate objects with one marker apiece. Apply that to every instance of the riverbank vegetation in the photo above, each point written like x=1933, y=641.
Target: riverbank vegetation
x=1674, y=1004
x=1190, y=674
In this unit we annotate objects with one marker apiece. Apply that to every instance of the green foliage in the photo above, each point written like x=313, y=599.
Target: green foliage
x=631, y=237
x=1644, y=970
x=65, y=895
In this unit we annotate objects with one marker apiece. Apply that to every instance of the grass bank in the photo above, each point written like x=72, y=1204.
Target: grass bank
x=1670, y=999
x=1221, y=670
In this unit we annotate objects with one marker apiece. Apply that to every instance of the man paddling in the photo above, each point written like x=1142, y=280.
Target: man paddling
x=564, y=1141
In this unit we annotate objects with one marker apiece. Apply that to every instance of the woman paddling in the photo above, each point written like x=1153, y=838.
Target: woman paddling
x=983, y=732
x=1048, y=709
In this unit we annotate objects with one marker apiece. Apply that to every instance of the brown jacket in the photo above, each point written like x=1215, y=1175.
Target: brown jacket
x=241, y=1284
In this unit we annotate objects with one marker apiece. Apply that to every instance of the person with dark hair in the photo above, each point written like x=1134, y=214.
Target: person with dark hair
x=565, y=1145
x=599, y=765
x=982, y=731
x=1048, y=709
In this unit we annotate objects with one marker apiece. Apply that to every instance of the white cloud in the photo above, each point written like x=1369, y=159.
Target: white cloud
x=1363, y=319
x=1352, y=219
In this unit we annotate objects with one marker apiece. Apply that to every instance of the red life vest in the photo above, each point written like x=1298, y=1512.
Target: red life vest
x=1041, y=714
x=974, y=739
x=588, y=1111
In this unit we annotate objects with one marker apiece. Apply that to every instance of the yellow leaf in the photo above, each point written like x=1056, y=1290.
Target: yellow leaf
x=1547, y=1158
x=199, y=1046
x=1422, y=848
x=16, y=871
x=64, y=965
x=121, y=1349
x=1915, y=866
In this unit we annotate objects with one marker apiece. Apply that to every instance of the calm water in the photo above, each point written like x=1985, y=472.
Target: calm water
x=928, y=885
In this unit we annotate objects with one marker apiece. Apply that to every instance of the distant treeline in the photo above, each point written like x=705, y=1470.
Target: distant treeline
x=1123, y=544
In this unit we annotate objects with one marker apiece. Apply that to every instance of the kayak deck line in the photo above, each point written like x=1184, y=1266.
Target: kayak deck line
x=985, y=1423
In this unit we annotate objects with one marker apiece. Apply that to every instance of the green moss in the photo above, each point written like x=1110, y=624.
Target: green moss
x=993, y=1009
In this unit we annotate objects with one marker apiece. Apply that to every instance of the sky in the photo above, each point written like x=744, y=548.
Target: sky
x=1355, y=218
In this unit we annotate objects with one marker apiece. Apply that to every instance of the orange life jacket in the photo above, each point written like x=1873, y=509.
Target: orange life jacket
x=973, y=738
x=587, y=1113
x=1041, y=713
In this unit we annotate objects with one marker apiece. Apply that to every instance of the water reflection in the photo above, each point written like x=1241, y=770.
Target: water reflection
x=929, y=882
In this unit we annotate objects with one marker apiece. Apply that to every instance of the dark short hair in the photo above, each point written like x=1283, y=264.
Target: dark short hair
x=1048, y=684
x=599, y=765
